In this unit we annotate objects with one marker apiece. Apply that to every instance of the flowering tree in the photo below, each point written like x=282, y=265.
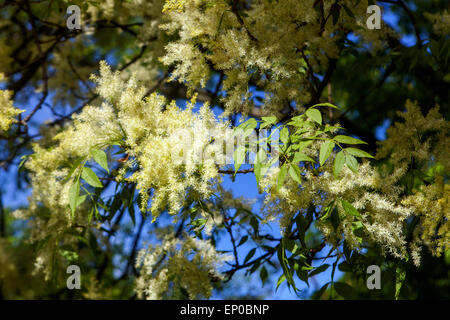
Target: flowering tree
x=128, y=182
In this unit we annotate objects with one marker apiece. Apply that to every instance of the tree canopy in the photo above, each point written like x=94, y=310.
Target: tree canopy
x=126, y=133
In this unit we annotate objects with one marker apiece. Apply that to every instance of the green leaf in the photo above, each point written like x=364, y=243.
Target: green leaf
x=319, y=293
x=335, y=11
x=239, y=157
x=250, y=254
x=348, y=140
x=350, y=209
x=331, y=128
x=75, y=165
x=303, y=144
x=243, y=240
x=263, y=274
x=302, y=274
x=288, y=244
x=199, y=222
x=400, y=275
x=73, y=196
x=358, y=153
x=325, y=151
x=326, y=104
x=115, y=205
x=90, y=177
x=335, y=218
x=333, y=270
x=80, y=200
x=254, y=223
x=358, y=230
x=70, y=255
x=318, y=270
x=284, y=264
x=23, y=160
x=302, y=157
x=132, y=213
x=297, y=121
x=101, y=158
x=348, y=11
x=281, y=279
x=295, y=173
x=91, y=213
x=268, y=121
x=259, y=168
x=352, y=163
x=301, y=224
x=339, y=163
x=284, y=135
x=255, y=267
x=272, y=119
x=246, y=128
x=327, y=211
x=314, y=115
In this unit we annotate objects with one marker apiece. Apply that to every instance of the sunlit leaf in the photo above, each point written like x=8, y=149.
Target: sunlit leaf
x=284, y=135
x=281, y=176
x=325, y=151
x=348, y=140
x=350, y=209
x=351, y=162
x=326, y=104
x=239, y=157
x=250, y=255
x=299, y=157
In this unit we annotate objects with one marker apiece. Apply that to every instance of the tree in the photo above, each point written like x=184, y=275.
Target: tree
x=128, y=171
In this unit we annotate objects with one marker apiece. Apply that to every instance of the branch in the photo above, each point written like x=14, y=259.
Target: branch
x=233, y=241
x=233, y=172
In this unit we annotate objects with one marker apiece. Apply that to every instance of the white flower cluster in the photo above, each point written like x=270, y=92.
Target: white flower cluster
x=177, y=267
x=273, y=44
